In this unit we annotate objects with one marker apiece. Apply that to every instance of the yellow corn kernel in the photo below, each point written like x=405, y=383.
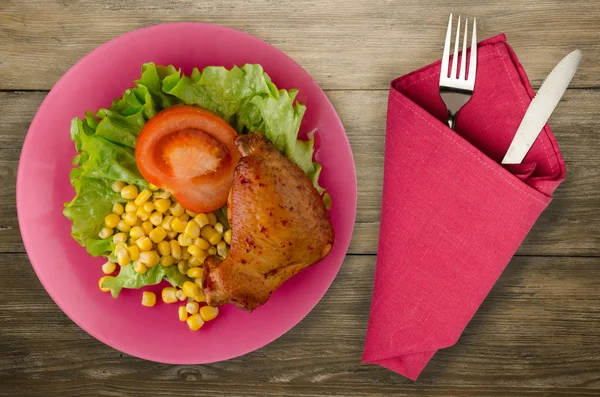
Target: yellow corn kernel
x=164, y=248
x=177, y=209
x=178, y=225
x=166, y=222
x=175, y=249
x=191, y=213
x=227, y=236
x=202, y=220
x=117, y=186
x=118, y=208
x=195, y=262
x=182, y=266
x=157, y=234
x=219, y=227
x=129, y=192
x=119, y=238
x=148, y=299
x=172, y=235
x=201, y=243
x=184, y=218
x=167, y=261
x=122, y=256
x=212, y=218
x=153, y=187
x=144, y=244
x=130, y=207
x=134, y=252
x=212, y=250
x=200, y=297
x=106, y=232
x=106, y=289
x=195, y=272
x=137, y=232
x=109, y=267
x=147, y=226
x=192, y=307
x=146, y=229
x=168, y=295
x=199, y=282
x=119, y=246
x=180, y=295
x=149, y=258
x=124, y=226
x=130, y=241
x=208, y=313
x=183, y=314
x=156, y=218
x=130, y=218
x=222, y=249
x=190, y=289
x=195, y=322
x=139, y=267
x=148, y=206
x=162, y=205
x=195, y=251
x=186, y=255
x=143, y=197
x=192, y=229
x=142, y=214
x=184, y=240
x=162, y=194
x=210, y=234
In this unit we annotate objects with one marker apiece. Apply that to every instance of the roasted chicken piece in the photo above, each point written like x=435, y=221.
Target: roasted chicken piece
x=279, y=227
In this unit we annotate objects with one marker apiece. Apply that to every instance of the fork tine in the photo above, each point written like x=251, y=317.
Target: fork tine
x=446, y=55
x=454, y=70
x=463, y=57
x=473, y=59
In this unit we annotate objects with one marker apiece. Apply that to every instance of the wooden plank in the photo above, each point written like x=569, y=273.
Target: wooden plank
x=360, y=45
x=568, y=227
x=538, y=333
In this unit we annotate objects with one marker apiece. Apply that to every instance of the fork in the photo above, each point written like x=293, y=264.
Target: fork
x=456, y=88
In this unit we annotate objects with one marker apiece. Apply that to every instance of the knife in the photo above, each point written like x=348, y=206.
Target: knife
x=541, y=107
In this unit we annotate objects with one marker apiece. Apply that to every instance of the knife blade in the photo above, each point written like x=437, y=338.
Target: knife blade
x=541, y=107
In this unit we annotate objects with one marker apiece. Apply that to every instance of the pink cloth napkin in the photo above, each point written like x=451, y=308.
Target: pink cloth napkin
x=452, y=216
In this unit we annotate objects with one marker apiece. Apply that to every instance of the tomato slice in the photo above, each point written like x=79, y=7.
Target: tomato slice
x=190, y=152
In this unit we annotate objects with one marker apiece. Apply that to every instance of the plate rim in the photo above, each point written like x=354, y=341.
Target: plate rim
x=27, y=243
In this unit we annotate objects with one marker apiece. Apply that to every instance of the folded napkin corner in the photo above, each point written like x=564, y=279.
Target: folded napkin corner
x=452, y=216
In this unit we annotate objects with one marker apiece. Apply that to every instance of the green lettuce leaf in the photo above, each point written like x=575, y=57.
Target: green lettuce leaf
x=99, y=247
x=94, y=199
x=173, y=276
x=221, y=214
x=129, y=278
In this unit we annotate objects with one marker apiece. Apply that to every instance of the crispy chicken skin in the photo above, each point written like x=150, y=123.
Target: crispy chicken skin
x=279, y=227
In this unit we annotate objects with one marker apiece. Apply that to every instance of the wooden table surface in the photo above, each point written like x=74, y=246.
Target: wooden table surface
x=537, y=333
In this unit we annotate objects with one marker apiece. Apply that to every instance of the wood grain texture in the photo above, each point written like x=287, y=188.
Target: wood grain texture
x=537, y=334
x=360, y=45
x=570, y=226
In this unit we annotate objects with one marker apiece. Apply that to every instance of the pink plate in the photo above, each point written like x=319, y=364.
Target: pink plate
x=70, y=275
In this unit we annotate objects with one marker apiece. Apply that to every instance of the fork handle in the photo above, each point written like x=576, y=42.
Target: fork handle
x=451, y=120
